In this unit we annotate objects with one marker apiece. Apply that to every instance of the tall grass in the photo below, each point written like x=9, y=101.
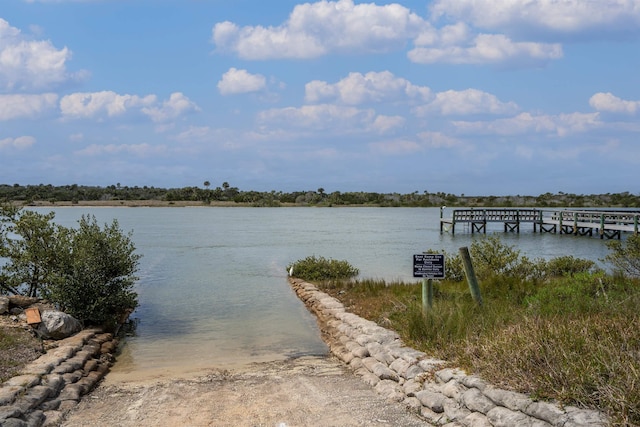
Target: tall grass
x=574, y=339
x=556, y=329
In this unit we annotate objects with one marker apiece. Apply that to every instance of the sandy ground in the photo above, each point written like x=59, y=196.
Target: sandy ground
x=309, y=391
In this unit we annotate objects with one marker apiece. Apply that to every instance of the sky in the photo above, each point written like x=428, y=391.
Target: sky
x=474, y=97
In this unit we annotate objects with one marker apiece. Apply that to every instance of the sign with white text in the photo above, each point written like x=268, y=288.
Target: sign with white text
x=428, y=266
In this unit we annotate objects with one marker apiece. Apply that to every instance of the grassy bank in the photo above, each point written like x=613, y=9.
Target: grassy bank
x=588, y=356
x=557, y=330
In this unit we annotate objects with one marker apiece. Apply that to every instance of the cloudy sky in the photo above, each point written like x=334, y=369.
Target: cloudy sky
x=481, y=97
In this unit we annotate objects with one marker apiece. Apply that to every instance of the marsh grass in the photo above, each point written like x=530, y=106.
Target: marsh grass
x=574, y=339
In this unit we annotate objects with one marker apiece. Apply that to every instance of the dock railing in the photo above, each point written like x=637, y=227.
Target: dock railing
x=607, y=223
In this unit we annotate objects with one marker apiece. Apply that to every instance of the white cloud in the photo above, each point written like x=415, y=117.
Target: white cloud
x=316, y=29
x=84, y=105
x=195, y=133
x=324, y=27
x=141, y=150
x=19, y=143
x=385, y=124
x=526, y=123
x=359, y=88
x=485, y=49
x=470, y=101
x=237, y=81
x=26, y=106
x=424, y=141
x=318, y=117
x=542, y=16
x=174, y=107
x=438, y=140
x=612, y=104
x=92, y=104
x=576, y=123
x=397, y=146
x=31, y=64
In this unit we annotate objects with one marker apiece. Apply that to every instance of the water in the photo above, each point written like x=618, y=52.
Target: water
x=213, y=289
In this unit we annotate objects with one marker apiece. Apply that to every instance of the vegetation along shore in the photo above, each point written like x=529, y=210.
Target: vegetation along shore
x=560, y=329
x=228, y=195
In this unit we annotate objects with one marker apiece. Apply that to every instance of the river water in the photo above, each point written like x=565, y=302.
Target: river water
x=213, y=290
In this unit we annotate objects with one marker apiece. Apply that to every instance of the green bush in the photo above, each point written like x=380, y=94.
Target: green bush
x=625, y=257
x=567, y=264
x=30, y=242
x=98, y=274
x=315, y=268
x=491, y=257
x=88, y=272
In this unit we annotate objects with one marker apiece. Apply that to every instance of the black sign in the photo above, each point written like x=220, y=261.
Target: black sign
x=430, y=266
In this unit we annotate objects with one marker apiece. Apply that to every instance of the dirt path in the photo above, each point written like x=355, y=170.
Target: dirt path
x=310, y=391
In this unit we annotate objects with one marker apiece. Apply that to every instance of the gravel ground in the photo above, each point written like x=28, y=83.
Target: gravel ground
x=309, y=391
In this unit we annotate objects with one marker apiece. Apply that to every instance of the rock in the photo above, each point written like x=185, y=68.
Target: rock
x=474, y=400
x=4, y=304
x=503, y=417
x=58, y=325
x=476, y=419
x=22, y=301
x=433, y=401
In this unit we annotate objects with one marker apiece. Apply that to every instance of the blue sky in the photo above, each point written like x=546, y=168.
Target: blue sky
x=479, y=97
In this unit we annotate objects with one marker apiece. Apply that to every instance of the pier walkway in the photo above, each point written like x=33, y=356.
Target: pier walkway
x=584, y=222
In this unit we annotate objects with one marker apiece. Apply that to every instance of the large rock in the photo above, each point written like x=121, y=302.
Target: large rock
x=58, y=325
x=22, y=301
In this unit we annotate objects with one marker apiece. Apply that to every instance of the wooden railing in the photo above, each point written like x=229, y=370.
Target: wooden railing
x=567, y=221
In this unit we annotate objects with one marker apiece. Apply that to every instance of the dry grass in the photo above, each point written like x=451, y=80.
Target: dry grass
x=583, y=350
x=17, y=348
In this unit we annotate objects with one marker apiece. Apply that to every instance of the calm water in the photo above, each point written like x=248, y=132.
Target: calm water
x=213, y=289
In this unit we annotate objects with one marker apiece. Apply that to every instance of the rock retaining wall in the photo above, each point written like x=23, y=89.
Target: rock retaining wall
x=53, y=384
x=443, y=396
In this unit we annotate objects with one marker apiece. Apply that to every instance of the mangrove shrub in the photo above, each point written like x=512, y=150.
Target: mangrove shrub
x=89, y=271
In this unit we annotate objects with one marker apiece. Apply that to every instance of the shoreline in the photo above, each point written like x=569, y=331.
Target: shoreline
x=182, y=204
x=129, y=204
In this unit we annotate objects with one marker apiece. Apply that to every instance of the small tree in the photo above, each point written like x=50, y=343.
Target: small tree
x=32, y=252
x=89, y=272
x=207, y=193
x=98, y=272
x=625, y=257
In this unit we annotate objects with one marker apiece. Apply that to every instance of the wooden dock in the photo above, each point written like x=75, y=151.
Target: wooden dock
x=583, y=222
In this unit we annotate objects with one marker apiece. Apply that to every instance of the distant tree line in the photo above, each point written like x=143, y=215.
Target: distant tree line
x=74, y=193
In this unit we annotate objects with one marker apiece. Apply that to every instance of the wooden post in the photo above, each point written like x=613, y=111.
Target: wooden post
x=471, y=275
x=427, y=295
x=453, y=222
x=602, y=226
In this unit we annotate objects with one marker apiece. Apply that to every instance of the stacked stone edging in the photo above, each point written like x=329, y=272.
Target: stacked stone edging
x=442, y=395
x=53, y=384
